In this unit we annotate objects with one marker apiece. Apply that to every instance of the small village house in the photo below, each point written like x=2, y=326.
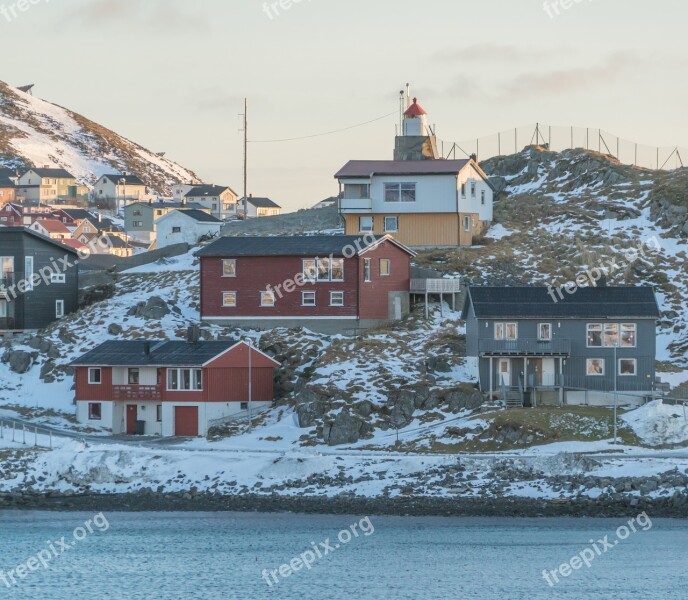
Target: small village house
x=533, y=350
x=14, y=214
x=119, y=189
x=52, y=228
x=261, y=207
x=47, y=185
x=220, y=200
x=324, y=283
x=419, y=198
x=36, y=287
x=186, y=226
x=170, y=388
x=140, y=217
x=8, y=190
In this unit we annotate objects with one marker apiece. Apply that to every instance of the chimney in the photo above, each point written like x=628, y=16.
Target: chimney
x=474, y=157
x=193, y=334
x=602, y=282
x=147, y=348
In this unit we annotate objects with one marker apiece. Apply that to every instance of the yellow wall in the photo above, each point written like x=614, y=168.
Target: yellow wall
x=427, y=229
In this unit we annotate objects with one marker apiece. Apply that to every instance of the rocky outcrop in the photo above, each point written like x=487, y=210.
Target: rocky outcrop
x=155, y=308
x=19, y=361
x=345, y=428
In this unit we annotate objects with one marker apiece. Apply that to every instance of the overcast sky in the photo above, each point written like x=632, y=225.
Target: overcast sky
x=171, y=75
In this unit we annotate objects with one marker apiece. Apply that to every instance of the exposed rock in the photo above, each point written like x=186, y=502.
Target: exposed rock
x=155, y=308
x=310, y=406
x=19, y=361
x=114, y=329
x=345, y=429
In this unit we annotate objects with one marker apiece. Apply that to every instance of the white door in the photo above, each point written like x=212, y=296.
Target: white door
x=397, y=308
x=548, y=372
x=504, y=372
x=3, y=309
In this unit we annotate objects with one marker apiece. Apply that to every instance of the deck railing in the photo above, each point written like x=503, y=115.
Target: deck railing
x=435, y=286
x=525, y=347
x=137, y=392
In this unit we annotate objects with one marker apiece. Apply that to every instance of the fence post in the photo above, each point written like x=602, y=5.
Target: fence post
x=35, y=437
x=24, y=434
x=51, y=440
x=2, y=430
x=14, y=429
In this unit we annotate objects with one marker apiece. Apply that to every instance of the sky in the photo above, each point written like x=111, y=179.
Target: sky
x=172, y=75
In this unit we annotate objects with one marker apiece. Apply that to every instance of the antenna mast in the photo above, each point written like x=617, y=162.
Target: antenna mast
x=245, y=130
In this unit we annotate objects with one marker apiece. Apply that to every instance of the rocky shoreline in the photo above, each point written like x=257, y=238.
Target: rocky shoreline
x=675, y=506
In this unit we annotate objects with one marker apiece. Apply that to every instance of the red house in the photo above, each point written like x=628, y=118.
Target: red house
x=170, y=388
x=325, y=283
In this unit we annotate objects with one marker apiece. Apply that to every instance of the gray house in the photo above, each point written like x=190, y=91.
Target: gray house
x=535, y=349
x=39, y=280
x=140, y=217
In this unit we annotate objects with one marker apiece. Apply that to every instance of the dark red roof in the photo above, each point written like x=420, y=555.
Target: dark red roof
x=415, y=110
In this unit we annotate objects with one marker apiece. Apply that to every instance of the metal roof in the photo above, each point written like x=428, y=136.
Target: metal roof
x=132, y=353
x=368, y=168
x=584, y=303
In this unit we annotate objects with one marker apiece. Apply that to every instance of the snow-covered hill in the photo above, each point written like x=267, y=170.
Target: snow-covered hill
x=36, y=133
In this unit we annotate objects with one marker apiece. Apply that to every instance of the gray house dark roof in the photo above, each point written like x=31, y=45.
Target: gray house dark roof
x=56, y=173
x=584, y=303
x=129, y=179
x=171, y=205
x=367, y=168
x=78, y=214
x=31, y=232
x=208, y=191
x=132, y=353
x=6, y=182
x=303, y=245
x=200, y=216
x=262, y=202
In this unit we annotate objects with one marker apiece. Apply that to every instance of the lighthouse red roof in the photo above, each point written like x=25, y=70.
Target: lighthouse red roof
x=415, y=110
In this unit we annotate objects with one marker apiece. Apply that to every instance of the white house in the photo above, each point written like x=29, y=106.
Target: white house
x=419, y=198
x=221, y=200
x=261, y=207
x=185, y=226
x=119, y=188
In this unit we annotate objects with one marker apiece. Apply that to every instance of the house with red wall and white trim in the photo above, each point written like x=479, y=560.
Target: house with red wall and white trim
x=170, y=388
x=325, y=283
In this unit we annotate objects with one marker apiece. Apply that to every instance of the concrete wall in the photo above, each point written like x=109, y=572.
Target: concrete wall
x=105, y=262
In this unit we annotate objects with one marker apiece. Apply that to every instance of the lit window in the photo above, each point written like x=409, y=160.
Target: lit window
x=499, y=331
x=594, y=335
x=512, y=331
x=629, y=335
x=267, y=299
x=545, y=332
x=323, y=269
x=385, y=267
x=310, y=269
x=611, y=335
x=337, y=265
x=229, y=299
x=595, y=367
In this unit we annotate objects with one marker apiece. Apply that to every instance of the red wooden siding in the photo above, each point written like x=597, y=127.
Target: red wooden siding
x=86, y=391
x=374, y=296
x=254, y=274
x=231, y=385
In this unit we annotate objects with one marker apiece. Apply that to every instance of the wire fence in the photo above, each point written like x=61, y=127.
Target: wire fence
x=559, y=138
x=26, y=435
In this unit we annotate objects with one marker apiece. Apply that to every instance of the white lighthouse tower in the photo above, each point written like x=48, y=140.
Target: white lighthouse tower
x=417, y=141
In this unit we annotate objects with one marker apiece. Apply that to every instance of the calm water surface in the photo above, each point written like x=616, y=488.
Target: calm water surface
x=223, y=555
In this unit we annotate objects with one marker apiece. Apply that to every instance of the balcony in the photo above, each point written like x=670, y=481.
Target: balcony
x=524, y=347
x=356, y=204
x=435, y=286
x=137, y=392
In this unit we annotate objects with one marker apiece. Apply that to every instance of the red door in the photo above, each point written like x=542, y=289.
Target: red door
x=131, y=419
x=186, y=421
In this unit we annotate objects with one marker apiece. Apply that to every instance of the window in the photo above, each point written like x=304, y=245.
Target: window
x=267, y=298
x=629, y=335
x=59, y=309
x=594, y=335
x=336, y=298
x=595, y=367
x=228, y=206
x=244, y=406
x=367, y=275
x=474, y=187
x=158, y=413
x=482, y=197
x=138, y=213
x=356, y=191
x=310, y=269
x=307, y=298
x=365, y=224
x=385, y=267
x=229, y=267
x=158, y=212
x=28, y=274
x=391, y=224
x=506, y=331
x=185, y=380
x=323, y=269
x=134, y=376
x=138, y=223
x=176, y=230
x=337, y=266
x=95, y=411
x=229, y=299
x=463, y=190
x=95, y=376
x=545, y=332
x=466, y=223
x=58, y=278
x=628, y=367
x=611, y=335
x=400, y=192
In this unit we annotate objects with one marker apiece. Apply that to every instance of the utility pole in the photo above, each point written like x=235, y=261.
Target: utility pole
x=245, y=130
x=250, y=384
x=616, y=394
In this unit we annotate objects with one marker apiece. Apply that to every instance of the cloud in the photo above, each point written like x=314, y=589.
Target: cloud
x=564, y=80
x=488, y=51
x=154, y=15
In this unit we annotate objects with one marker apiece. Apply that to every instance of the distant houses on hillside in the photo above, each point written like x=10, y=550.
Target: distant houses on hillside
x=261, y=207
x=119, y=189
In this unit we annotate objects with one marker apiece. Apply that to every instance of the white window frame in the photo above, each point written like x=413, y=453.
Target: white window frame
x=263, y=294
x=59, y=309
x=224, y=301
x=227, y=261
x=588, y=329
x=394, y=229
x=388, y=262
x=588, y=364
x=634, y=328
x=91, y=418
x=635, y=367
x=367, y=270
x=540, y=336
x=474, y=189
x=467, y=224
x=499, y=331
x=58, y=278
x=338, y=294
x=313, y=276
x=398, y=188
x=100, y=376
x=28, y=273
x=362, y=229
x=309, y=294
x=194, y=387
x=506, y=331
